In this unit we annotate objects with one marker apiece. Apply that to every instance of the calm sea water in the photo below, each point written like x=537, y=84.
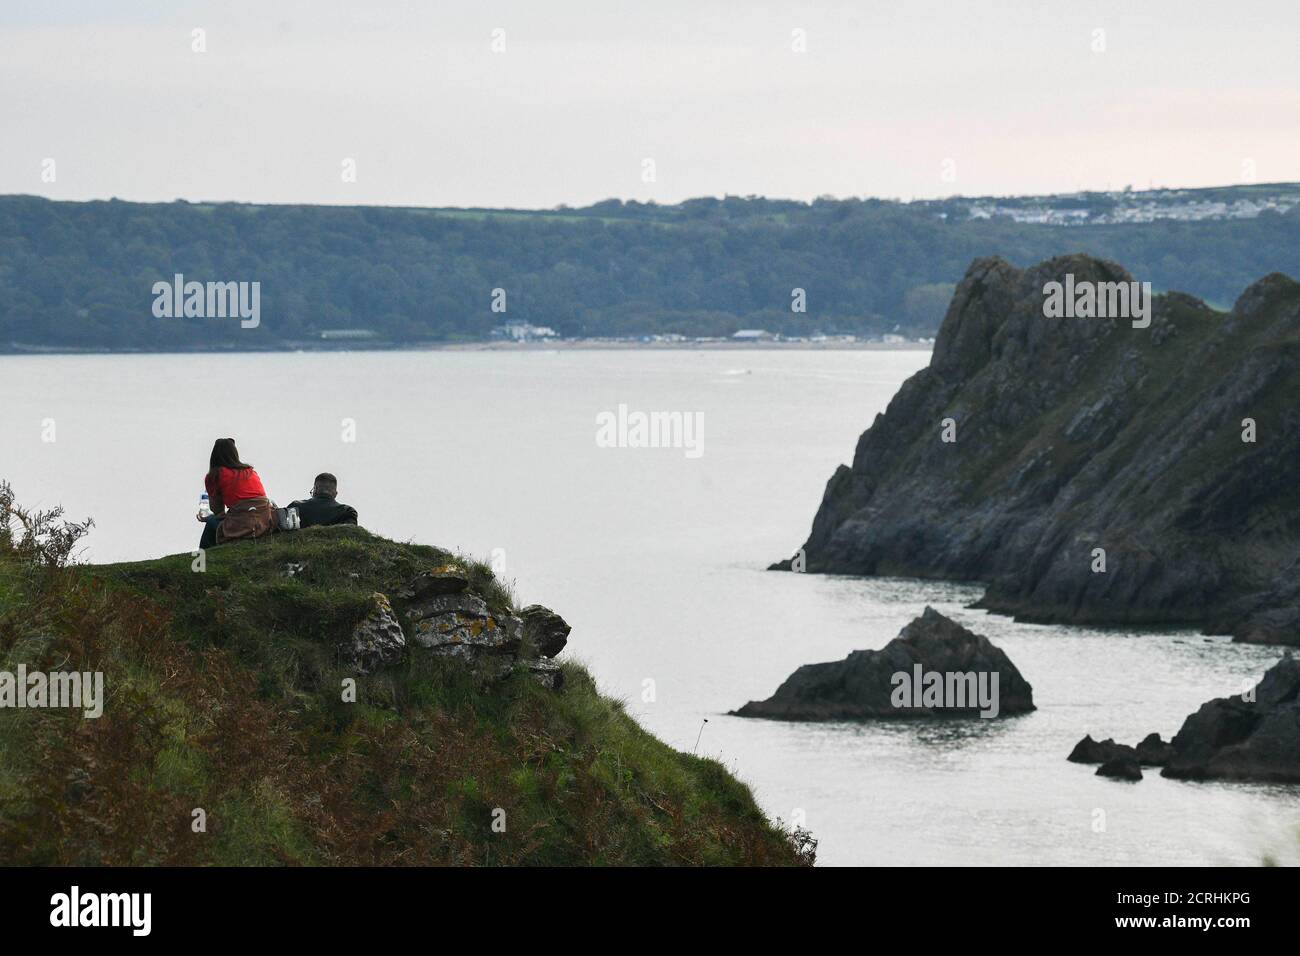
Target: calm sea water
x=656, y=559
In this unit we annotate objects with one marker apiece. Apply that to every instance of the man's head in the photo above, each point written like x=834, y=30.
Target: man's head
x=326, y=484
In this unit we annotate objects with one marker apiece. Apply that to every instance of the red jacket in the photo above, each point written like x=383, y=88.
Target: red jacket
x=232, y=485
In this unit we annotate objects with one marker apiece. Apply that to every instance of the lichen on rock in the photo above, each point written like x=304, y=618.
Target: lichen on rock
x=444, y=616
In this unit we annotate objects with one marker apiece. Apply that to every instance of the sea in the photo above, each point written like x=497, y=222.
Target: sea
x=641, y=494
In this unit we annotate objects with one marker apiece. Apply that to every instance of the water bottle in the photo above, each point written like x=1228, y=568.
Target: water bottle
x=205, y=510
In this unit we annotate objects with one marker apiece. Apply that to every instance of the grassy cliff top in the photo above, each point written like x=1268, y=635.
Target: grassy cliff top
x=222, y=691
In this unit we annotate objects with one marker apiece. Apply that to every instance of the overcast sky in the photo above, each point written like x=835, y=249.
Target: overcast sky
x=890, y=99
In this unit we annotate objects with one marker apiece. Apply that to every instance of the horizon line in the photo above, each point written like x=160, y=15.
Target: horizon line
x=666, y=205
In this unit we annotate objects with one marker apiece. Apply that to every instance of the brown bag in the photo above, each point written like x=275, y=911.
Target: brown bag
x=250, y=518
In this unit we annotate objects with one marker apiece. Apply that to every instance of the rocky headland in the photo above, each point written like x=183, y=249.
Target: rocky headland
x=1086, y=470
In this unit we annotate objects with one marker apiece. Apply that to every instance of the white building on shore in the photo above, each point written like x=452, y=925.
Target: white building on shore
x=524, y=332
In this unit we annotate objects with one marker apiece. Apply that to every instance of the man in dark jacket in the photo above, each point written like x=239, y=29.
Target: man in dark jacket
x=322, y=508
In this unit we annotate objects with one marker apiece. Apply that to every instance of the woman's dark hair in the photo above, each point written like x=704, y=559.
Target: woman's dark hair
x=225, y=455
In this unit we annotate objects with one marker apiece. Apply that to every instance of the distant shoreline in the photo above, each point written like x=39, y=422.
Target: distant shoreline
x=580, y=345
x=568, y=345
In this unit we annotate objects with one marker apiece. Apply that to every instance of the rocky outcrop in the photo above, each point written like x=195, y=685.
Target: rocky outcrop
x=934, y=668
x=460, y=625
x=1151, y=752
x=544, y=630
x=377, y=641
x=1154, y=752
x=1252, y=736
x=445, y=617
x=444, y=579
x=1095, y=472
x=1121, y=768
x=546, y=672
x=1088, y=750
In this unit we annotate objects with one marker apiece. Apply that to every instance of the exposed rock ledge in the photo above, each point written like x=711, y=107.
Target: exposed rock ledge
x=1252, y=736
x=974, y=678
x=443, y=616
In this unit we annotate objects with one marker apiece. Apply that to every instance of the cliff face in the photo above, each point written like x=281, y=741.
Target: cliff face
x=1076, y=434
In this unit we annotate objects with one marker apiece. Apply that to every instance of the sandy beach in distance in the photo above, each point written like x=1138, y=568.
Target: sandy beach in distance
x=722, y=345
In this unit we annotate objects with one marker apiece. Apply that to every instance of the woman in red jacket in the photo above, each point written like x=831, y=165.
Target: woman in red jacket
x=240, y=508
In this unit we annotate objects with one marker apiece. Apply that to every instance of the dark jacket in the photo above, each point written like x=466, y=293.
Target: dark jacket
x=323, y=510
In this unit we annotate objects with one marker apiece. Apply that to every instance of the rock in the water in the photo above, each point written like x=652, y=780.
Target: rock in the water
x=378, y=640
x=545, y=630
x=1151, y=752
x=1240, y=738
x=1088, y=750
x=1154, y=752
x=934, y=668
x=1123, y=767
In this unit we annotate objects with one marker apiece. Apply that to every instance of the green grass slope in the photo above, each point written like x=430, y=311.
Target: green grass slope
x=223, y=693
